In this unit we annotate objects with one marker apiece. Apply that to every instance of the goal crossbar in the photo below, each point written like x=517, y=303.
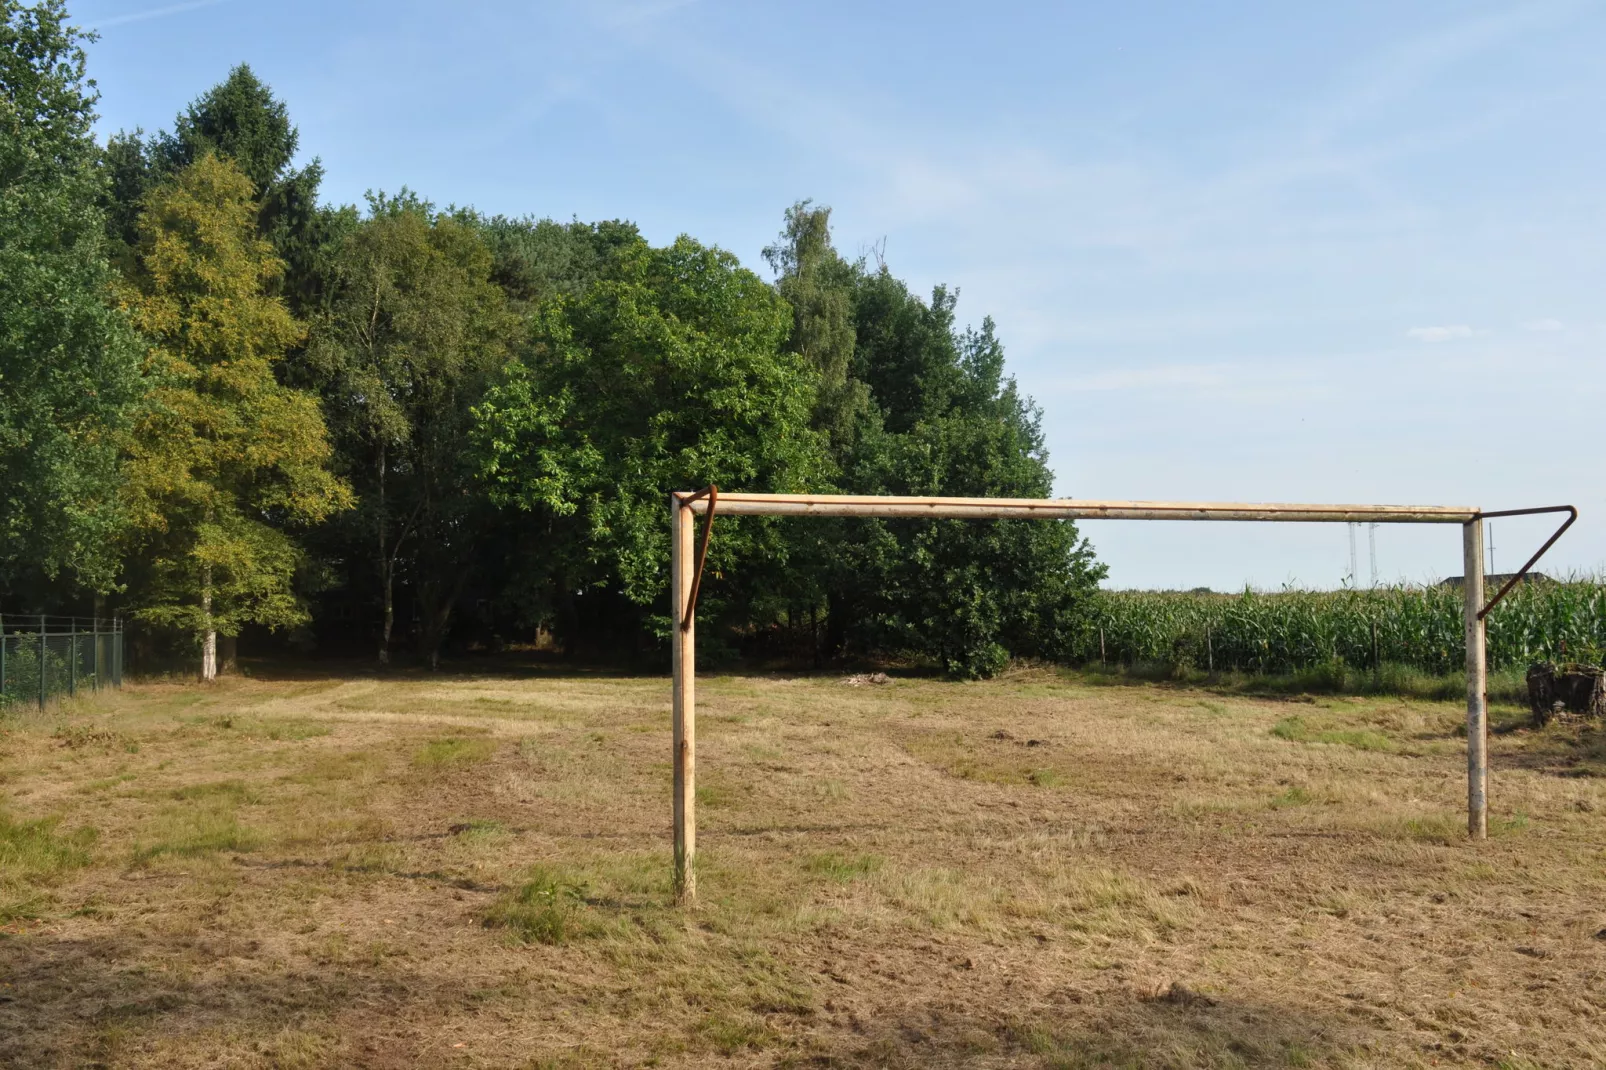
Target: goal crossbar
x=686, y=574
x=1071, y=509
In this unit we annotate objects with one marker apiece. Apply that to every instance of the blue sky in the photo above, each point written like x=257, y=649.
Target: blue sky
x=1247, y=251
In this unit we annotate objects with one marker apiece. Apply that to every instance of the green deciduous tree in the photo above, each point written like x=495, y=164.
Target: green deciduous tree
x=666, y=373
x=68, y=361
x=414, y=333
x=223, y=458
x=916, y=406
x=969, y=594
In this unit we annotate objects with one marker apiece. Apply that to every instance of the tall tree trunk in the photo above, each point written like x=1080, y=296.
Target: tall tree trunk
x=208, y=632
x=387, y=570
x=439, y=598
x=836, y=624
x=390, y=613
x=814, y=633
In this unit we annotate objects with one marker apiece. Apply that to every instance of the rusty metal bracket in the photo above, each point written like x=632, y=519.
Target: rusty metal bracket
x=1572, y=515
x=711, y=492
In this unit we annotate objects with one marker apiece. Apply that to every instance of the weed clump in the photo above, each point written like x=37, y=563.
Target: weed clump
x=1294, y=796
x=543, y=910
x=81, y=736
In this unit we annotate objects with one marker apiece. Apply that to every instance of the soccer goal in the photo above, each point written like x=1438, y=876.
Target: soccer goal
x=687, y=559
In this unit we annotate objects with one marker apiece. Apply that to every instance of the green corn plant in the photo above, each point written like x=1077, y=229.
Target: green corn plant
x=1291, y=630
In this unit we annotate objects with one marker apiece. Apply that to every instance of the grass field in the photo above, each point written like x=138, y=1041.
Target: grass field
x=1038, y=871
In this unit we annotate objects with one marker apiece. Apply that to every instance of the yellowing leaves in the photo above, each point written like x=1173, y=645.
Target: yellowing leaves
x=222, y=456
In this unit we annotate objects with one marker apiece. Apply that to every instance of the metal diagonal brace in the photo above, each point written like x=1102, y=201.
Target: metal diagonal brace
x=711, y=492
x=1572, y=514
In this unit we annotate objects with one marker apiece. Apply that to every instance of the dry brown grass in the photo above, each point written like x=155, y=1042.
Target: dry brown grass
x=1038, y=871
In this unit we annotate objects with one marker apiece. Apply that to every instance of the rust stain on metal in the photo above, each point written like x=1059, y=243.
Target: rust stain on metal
x=711, y=492
x=1572, y=515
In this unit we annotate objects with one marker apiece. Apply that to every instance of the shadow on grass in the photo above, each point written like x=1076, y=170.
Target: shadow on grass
x=520, y=665
x=95, y=1002
x=1113, y=1029
x=511, y=665
x=1562, y=750
x=1398, y=681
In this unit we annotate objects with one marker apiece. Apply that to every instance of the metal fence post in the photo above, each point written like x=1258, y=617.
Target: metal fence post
x=72, y=657
x=117, y=651
x=94, y=622
x=43, y=652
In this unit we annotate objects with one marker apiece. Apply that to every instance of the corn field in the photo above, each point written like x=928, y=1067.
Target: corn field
x=1287, y=631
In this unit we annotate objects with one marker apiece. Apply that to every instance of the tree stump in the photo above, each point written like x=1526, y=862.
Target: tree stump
x=1566, y=692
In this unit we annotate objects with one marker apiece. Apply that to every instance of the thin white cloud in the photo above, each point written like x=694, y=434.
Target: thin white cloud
x=151, y=13
x=1441, y=334
x=1543, y=326
x=1400, y=71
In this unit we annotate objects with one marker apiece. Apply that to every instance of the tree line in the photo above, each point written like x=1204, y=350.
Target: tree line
x=228, y=405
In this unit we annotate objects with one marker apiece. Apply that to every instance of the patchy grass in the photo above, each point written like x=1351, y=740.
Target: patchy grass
x=1044, y=870
x=203, y=824
x=35, y=855
x=1390, y=679
x=543, y=910
x=1294, y=796
x=454, y=750
x=80, y=736
x=478, y=829
x=274, y=729
x=233, y=792
x=730, y=1033
x=836, y=866
x=1298, y=730
x=37, y=850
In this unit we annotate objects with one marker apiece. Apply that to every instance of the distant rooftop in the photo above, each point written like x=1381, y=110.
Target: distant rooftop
x=1498, y=579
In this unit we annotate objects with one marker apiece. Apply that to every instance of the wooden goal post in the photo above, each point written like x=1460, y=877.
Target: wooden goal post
x=686, y=561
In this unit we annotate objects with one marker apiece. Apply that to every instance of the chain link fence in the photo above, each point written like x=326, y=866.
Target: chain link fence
x=43, y=658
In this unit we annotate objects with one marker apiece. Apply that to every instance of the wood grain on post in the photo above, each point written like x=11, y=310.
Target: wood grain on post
x=683, y=562
x=1477, y=684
